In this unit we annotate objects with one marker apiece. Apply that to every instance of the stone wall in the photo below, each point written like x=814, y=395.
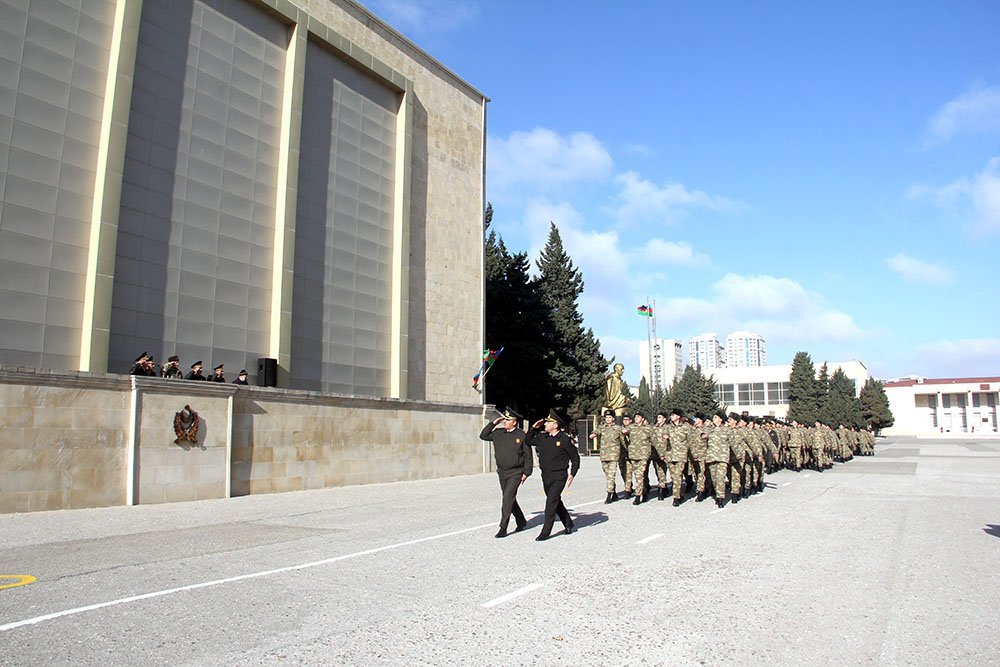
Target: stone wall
x=72, y=440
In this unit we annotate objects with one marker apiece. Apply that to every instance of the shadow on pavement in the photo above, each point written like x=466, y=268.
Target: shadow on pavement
x=992, y=529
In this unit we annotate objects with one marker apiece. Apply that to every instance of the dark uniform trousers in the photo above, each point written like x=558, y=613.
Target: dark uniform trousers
x=510, y=481
x=553, y=483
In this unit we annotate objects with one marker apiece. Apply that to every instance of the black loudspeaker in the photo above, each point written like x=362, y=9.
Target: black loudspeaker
x=267, y=372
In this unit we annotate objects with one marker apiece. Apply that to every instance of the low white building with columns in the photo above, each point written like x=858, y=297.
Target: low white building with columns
x=927, y=406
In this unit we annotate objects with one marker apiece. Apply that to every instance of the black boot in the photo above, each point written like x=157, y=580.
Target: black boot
x=638, y=500
x=612, y=497
x=677, y=502
x=720, y=502
x=701, y=496
x=663, y=493
x=501, y=533
x=628, y=494
x=736, y=498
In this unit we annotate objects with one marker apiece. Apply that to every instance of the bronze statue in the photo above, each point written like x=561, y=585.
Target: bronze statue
x=615, y=389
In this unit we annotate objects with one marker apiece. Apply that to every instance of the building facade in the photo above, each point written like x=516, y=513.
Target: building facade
x=929, y=406
x=230, y=181
x=745, y=349
x=666, y=359
x=704, y=350
x=763, y=390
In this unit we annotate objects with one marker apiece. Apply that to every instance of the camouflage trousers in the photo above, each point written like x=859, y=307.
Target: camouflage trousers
x=755, y=472
x=660, y=468
x=625, y=467
x=610, y=472
x=638, y=474
x=697, y=470
x=795, y=457
x=717, y=471
x=677, y=477
x=736, y=476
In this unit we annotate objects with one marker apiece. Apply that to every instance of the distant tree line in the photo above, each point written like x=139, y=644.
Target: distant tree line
x=830, y=398
x=550, y=359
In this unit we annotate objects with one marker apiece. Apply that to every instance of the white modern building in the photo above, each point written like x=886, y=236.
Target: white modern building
x=926, y=406
x=763, y=390
x=704, y=350
x=745, y=349
x=664, y=361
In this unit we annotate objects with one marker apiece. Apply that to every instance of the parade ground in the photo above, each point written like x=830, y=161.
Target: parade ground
x=885, y=560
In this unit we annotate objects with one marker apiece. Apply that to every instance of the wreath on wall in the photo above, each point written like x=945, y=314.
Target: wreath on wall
x=186, y=426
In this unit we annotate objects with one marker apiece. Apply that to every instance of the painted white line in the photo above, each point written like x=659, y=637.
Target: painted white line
x=513, y=594
x=253, y=575
x=647, y=540
x=227, y=580
x=807, y=475
x=787, y=484
x=716, y=511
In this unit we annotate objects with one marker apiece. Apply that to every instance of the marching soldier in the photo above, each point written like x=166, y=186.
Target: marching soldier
x=556, y=451
x=680, y=432
x=696, y=455
x=639, y=447
x=610, y=439
x=513, y=458
x=717, y=455
x=623, y=463
x=739, y=449
x=661, y=447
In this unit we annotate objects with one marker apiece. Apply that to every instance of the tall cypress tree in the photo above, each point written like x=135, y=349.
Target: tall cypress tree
x=693, y=392
x=823, y=394
x=576, y=371
x=643, y=403
x=803, y=390
x=874, y=406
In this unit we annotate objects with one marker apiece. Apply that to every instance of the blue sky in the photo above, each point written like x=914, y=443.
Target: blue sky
x=827, y=175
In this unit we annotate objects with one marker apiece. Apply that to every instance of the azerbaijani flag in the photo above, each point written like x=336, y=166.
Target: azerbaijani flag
x=644, y=311
x=489, y=356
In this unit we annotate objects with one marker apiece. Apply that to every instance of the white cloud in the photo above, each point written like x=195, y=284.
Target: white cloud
x=424, y=17
x=916, y=271
x=780, y=309
x=977, y=199
x=625, y=351
x=658, y=251
x=972, y=357
x=642, y=201
x=976, y=110
x=542, y=158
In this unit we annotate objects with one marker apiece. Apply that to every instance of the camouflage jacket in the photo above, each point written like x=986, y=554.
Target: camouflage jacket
x=610, y=440
x=717, y=445
x=640, y=442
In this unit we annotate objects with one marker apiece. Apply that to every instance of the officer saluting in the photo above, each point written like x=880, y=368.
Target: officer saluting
x=556, y=450
x=513, y=457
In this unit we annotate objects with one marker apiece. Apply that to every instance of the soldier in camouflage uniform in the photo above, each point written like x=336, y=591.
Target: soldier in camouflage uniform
x=680, y=441
x=739, y=449
x=610, y=438
x=661, y=447
x=623, y=463
x=640, y=443
x=696, y=455
x=717, y=454
x=796, y=443
x=755, y=465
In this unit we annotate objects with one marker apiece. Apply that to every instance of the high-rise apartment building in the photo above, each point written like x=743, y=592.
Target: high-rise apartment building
x=705, y=351
x=666, y=354
x=745, y=349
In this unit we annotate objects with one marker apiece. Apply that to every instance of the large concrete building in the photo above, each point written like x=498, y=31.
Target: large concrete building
x=705, y=351
x=229, y=181
x=763, y=391
x=745, y=349
x=929, y=406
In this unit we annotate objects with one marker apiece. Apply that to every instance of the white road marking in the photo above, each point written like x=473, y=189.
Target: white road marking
x=716, y=511
x=253, y=575
x=647, y=540
x=808, y=474
x=513, y=594
x=787, y=484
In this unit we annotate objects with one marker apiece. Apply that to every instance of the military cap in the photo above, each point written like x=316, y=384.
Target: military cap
x=196, y=364
x=554, y=416
x=174, y=358
x=141, y=357
x=701, y=415
x=734, y=416
x=243, y=371
x=510, y=413
x=677, y=411
x=220, y=367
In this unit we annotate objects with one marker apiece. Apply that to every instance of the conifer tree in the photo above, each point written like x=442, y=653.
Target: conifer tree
x=842, y=406
x=803, y=390
x=693, y=392
x=576, y=368
x=874, y=406
x=823, y=393
x=643, y=403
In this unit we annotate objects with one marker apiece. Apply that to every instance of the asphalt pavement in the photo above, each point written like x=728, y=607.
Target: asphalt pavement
x=885, y=560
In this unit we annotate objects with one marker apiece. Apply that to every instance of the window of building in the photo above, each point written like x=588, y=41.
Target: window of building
x=960, y=400
x=757, y=393
x=744, y=393
x=932, y=402
x=975, y=400
x=945, y=400
x=724, y=394
x=991, y=400
x=777, y=393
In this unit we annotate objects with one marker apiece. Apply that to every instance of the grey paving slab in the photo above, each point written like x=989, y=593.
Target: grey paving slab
x=863, y=564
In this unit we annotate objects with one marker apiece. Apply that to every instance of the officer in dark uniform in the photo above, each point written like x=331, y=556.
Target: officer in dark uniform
x=556, y=450
x=514, y=460
x=171, y=370
x=195, y=372
x=241, y=378
x=139, y=367
x=219, y=375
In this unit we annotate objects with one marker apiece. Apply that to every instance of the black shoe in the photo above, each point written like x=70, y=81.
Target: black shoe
x=720, y=502
x=637, y=501
x=520, y=527
x=501, y=533
x=736, y=499
x=541, y=538
x=701, y=496
x=628, y=494
x=677, y=502
x=663, y=493
x=569, y=529
x=612, y=497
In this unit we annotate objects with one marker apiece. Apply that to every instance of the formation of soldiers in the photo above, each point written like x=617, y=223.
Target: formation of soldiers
x=716, y=454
